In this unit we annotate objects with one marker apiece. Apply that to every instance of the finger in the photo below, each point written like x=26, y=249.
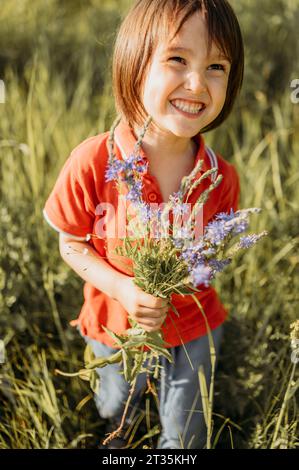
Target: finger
x=151, y=313
x=151, y=323
x=155, y=325
x=149, y=328
x=148, y=300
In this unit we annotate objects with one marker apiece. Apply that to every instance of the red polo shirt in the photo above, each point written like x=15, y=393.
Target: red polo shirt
x=72, y=208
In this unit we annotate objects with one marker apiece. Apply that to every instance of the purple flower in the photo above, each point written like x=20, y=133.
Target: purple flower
x=216, y=231
x=250, y=240
x=246, y=212
x=135, y=188
x=218, y=265
x=192, y=255
x=133, y=163
x=180, y=209
x=132, y=196
x=142, y=168
x=184, y=233
x=112, y=172
x=127, y=168
x=178, y=243
x=176, y=198
x=238, y=225
x=224, y=216
x=208, y=252
x=144, y=212
x=199, y=246
x=201, y=274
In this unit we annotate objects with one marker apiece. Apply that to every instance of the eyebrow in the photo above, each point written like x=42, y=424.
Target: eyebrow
x=185, y=49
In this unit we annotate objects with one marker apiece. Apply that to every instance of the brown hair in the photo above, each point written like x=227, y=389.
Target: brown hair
x=150, y=21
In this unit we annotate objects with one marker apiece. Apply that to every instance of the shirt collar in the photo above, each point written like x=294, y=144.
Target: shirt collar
x=125, y=142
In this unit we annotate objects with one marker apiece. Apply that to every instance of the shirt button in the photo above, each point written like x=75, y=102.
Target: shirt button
x=152, y=197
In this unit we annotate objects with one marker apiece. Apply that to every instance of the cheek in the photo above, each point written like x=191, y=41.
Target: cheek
x=147, y=92
x=220, y=90
x=155, y=92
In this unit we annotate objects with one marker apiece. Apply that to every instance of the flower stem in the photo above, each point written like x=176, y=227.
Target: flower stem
x=209, y=421
x=117, y=432
x=283, y=408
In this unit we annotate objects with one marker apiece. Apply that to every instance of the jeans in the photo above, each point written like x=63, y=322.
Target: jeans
x=180, y=405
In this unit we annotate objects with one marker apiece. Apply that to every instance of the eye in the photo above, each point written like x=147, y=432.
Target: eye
x=176, y=58
x=218, y=65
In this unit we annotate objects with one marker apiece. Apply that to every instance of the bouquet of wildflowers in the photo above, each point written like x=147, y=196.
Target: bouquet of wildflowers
x=174, y=260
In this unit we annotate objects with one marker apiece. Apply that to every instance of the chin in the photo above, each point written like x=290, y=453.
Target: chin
x=188, y=132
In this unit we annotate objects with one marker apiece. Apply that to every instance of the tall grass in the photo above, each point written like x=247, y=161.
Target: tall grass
x=58, y=93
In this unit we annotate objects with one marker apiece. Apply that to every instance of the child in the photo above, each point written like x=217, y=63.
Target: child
x=180, y=62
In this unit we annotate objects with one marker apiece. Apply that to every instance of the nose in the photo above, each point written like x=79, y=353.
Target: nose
x=196, y=82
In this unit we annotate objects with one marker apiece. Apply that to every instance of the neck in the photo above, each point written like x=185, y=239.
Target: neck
x=168, y=150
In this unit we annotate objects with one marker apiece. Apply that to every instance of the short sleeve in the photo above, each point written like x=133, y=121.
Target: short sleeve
x=69, y=208
x=231, y=192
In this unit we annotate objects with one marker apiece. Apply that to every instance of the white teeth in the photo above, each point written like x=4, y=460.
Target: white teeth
x=187, y=107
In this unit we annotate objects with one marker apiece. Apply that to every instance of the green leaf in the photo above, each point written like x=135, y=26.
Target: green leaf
x=84, y=374
x=103, y=361
x=204, y=393
x=138, y=359
x=88, y=354
x=134, y=341
x=174, y=309
x=94, y=382
x=118, y=339
x=156, y=337
x=163, y=351
x=127, y=364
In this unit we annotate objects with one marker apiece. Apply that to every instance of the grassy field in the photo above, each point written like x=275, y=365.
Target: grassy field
x=55, y=64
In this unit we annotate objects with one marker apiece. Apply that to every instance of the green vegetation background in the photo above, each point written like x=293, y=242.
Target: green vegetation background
x=55, y=59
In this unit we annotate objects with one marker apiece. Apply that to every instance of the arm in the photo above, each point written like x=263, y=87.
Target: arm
x=89, y=266
x=148, y=311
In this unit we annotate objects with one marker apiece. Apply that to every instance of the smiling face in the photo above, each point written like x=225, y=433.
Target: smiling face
x=185, y=89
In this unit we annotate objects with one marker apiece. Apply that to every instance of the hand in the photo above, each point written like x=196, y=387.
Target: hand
x=148, y=311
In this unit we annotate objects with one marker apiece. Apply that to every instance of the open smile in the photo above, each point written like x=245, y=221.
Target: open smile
x=190, y=115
